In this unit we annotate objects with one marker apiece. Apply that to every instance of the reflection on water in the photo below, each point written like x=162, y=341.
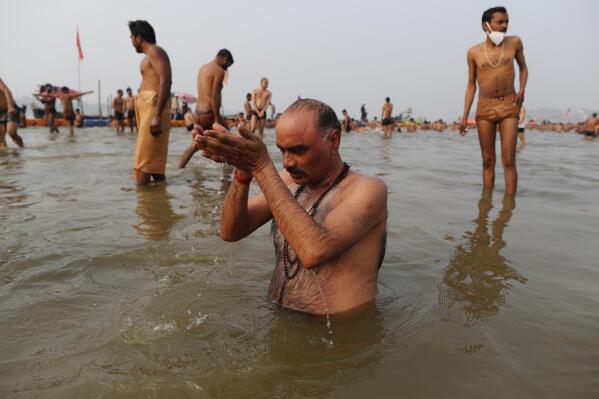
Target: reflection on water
x=10, y=160
x=478, y=277
x=156, y=216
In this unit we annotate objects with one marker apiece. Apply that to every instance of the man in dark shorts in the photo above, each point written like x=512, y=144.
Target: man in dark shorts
x=346, y=122
x=68, y=112
x=247, y=107
x=47, y=96
x=491, y=65
x=386, y=118
x=590, y=127
x=210, y=85
x=9, y=117
x=130, y=107
x=118, y=105
x=262, y=97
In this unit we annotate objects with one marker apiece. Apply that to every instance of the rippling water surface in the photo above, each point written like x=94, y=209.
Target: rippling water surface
x=111, y=291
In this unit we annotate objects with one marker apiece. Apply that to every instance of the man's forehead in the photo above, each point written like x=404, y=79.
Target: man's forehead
x=296, y=127
x=499, y=16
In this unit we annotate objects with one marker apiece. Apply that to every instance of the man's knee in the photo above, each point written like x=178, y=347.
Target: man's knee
x=488, y=161
x=509, y=161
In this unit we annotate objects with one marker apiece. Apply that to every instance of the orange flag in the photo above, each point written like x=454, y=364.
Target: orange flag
x=79, y=45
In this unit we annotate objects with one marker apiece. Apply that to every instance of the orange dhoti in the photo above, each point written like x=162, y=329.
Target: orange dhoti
x=151, y=152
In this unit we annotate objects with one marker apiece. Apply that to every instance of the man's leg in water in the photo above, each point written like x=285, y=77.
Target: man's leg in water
x=71, y=129
x=206, y=121
x=11, y=128
x=142, y=178
x=2, y=135
x=253, y=123
x=261, y=124
x=486, y=136
x=508, y=131
x=158, y=177
x=53, y=127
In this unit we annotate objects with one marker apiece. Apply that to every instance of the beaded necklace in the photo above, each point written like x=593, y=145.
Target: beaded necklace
x=289, y=264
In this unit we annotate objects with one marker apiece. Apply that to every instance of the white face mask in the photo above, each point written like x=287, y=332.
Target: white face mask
x=496, y=37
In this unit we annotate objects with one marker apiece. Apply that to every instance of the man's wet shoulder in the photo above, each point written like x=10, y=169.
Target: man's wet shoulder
x=366, y=183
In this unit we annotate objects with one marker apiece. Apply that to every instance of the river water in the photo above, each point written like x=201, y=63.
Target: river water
x=116, y=292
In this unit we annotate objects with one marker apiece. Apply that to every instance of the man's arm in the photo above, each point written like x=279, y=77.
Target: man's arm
x=241, y=217
x=523, y=70
x=268, y=97
x=362, y=209
x=470, y=91
x=254, y=100
x=217, y=86
x=80, y=94
x=160, y=63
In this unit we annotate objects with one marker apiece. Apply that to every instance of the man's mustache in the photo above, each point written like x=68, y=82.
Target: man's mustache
x=296, y=171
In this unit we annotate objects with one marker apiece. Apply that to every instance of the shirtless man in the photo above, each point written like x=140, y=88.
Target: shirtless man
x=386, y=118
x=47, y=97
x=210, y=85
x=152, y=113
x=130, y=107
x=118, y=105
x=522, y=126
x=9, y=117
x=590, y=127
x=247, y=107
x=346, y=122
x=491, y=65
x=329, y=223
x=262, y=99
x=68, y=111
x=174, y=107
x=78, y=118
x=189, y=119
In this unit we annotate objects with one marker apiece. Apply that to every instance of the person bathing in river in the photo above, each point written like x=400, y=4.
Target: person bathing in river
x=329, y=227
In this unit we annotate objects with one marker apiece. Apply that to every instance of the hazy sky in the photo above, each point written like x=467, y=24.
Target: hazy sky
x=341, y=52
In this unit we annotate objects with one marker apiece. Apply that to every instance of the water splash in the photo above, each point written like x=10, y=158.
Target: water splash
x=326, y=308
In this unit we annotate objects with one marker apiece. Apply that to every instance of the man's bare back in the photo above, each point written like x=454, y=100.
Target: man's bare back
x=387, y=110
x=210, y=85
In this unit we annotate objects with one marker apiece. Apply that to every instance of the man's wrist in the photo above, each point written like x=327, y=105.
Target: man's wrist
x=244, y=181
x=263, y=171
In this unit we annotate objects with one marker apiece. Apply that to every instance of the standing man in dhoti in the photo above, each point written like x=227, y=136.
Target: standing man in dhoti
x=152, y=114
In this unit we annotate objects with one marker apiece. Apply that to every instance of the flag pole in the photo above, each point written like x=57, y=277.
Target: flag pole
x=80, y=100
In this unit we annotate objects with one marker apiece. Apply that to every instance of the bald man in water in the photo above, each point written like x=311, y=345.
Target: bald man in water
x=9, y=117
x=210, y=85
x=491, y=65
x=329, y=227
x=262, y=97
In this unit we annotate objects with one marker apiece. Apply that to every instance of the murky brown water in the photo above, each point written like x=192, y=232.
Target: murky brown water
x=109, y=291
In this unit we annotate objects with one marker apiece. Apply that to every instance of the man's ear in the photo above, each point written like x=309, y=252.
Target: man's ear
x=335, y=138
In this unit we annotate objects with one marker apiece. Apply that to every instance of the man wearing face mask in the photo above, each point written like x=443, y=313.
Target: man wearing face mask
x=210, y=84
x=491, y=66
x=329, y=223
